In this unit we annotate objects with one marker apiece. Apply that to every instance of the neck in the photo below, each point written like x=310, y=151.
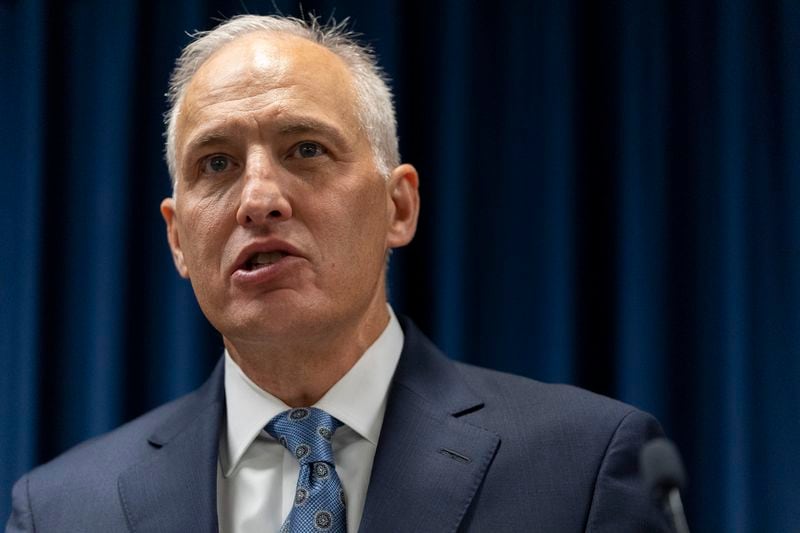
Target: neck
x=299, y=371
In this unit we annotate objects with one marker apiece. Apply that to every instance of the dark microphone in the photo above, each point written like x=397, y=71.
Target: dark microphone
x=663, y=474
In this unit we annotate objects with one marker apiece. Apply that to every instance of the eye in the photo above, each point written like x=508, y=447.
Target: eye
x=308, y=149
x=216, y=164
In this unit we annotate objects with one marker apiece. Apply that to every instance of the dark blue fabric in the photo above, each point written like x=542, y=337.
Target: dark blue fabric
x=156, y=473
x=461, y=449
x=610, y=198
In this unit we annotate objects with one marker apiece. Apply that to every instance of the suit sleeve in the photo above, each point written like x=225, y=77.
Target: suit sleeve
x=21, y=518
x=620, y=503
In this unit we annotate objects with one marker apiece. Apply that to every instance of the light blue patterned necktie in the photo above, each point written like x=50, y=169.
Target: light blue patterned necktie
x=319, y=503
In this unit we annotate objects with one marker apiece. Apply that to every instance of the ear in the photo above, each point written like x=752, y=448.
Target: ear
x=403, y=196
x=173, y=235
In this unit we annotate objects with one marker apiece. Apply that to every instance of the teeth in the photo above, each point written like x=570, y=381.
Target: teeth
x=267, y=258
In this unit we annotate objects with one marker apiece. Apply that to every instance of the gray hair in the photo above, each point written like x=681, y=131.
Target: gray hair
x=374, y=103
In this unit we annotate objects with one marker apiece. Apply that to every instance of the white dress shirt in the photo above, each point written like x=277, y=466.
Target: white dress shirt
x=257, y=477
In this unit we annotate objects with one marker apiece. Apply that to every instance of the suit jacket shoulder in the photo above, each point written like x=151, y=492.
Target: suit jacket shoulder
x=471, y=449
x=84, y=489
x=581, y=447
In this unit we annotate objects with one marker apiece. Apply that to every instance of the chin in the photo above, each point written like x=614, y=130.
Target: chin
x=265, y=323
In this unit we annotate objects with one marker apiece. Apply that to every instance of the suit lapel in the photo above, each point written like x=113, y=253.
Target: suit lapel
x=429, y=464
x=176, y=489
x=427, y=469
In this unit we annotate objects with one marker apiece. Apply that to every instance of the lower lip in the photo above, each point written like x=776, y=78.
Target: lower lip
x=265, y=274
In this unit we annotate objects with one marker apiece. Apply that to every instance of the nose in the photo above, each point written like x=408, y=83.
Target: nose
x=263, y=199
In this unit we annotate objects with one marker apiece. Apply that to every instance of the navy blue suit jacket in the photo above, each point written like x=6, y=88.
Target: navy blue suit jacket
x=461, y=449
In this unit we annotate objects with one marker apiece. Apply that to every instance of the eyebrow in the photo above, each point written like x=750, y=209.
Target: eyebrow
x=293, y=126
x=303, y=125
x=206, y=139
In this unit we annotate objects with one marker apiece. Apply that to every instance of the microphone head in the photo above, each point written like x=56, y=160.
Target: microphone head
x=661, y=468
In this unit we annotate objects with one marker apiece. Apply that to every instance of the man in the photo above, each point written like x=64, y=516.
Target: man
x=327, y=412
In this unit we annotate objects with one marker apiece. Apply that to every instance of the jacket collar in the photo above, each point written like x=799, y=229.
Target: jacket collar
x=176, y=489
x=429, y=464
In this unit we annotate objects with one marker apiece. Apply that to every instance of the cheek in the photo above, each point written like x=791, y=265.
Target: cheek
x=204, y=224
x=358, y=230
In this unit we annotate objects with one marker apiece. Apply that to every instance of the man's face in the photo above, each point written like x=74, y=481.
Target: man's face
x=280, y=219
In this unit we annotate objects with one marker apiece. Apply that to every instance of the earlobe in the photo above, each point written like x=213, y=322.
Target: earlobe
x=173, y=236
x=404, y=209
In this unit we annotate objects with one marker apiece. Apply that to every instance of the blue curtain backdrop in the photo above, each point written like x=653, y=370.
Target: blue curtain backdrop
x=611, y=198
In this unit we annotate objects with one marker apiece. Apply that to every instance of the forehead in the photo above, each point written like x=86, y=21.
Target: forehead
x=260, y=71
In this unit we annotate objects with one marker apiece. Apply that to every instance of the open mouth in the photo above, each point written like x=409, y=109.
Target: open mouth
x=263, y=259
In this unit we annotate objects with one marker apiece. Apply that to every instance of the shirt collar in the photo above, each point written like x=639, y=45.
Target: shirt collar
x=358, y=399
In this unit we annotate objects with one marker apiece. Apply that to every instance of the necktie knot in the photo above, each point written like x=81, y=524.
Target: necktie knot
x=306, y=432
